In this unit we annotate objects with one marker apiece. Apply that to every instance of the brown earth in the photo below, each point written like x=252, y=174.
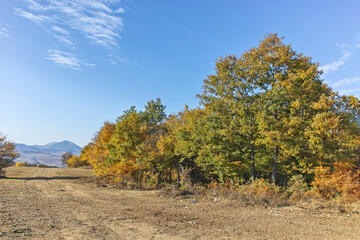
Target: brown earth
x=50, y=203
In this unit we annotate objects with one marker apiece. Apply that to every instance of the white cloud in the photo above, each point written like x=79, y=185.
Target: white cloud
x=113, y=59
x=95, y=20
x=60, y=30
x=65, y=59
x=349, y=91
x=347, y=50
x=89, y=64
x=334, y=66
x=346, y=81
x=35, y=18
x=120, y=10
x=4, y=31
x=64, y=40
x=72, y=21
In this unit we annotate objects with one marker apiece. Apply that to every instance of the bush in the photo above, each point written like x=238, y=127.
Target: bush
x=258, y=192
x=343, y=181
x=21, y=164
x=75, y=161
x=263, y=192
x=297, y=188
x=42, y=166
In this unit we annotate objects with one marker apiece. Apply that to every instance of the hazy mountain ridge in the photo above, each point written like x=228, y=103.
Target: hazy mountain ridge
x=49, y=154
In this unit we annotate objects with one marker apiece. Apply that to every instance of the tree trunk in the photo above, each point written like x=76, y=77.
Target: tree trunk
x=170, y=177
x=253, y=162
x=252, y=149
x=275, y=159
x=140, y=176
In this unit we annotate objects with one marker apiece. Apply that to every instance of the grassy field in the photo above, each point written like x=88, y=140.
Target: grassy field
x=51, y=203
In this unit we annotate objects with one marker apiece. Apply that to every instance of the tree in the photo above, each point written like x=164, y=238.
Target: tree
x=126, y=148
x=75, y=162
x=65, y=156
x=265, y=97
x=334, y=134
x=233, y=92
x=7, y=153
x=95, y=153
x=154, y=112
x=290, y=84
x=122, y=150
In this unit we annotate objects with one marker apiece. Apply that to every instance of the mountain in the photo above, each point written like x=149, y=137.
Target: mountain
x=49, y=154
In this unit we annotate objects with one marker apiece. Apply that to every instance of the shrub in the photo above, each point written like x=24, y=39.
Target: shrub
x=262, y=192
x=75, y=161
x=42, y=166
x=297, y=188
x=341, y=181
x=21, y=164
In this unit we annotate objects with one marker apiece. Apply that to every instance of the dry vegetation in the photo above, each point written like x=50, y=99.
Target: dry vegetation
x=52, y=203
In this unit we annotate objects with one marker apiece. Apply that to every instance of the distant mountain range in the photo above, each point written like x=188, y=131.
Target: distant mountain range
x=49, y=154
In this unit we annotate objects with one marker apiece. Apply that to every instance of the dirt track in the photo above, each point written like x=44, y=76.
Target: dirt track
x=38, y=203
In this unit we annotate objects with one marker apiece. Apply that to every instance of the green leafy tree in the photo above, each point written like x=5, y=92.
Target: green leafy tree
x=154, y=112
x=289, y=84
x=233, y=93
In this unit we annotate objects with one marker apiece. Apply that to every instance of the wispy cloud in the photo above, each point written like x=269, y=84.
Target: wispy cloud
x=94, y=19
x=4, y=31
x=334, y=66
x=113, y=59
x=64, y=40
x=349, y=91
x=347, y=81
x=66, y=59
x=96, y=22
x=35, y=18
x=347, y=50
x=60, y=30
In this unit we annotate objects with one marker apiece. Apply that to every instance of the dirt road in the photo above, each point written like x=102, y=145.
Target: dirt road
x=40, y=203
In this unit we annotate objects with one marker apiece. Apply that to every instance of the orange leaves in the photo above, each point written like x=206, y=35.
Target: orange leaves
x=343, y=181
x=124, y=168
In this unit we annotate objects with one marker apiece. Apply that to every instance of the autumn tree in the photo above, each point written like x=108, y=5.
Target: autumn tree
x=163, y=157
x=96, y=152
x=289, y=84
x=200, y=146
x=334, y=135
x=65, y=156
x=134, y=135
x=75, y=161
x=7, y=153
x=233, y=93
x=263, y=114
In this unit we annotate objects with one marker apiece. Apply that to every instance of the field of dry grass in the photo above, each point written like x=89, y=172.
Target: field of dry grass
x=51, y=203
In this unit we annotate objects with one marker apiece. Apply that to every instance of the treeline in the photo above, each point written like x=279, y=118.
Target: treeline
x=263, y=115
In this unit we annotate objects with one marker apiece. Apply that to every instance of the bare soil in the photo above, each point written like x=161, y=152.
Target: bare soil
x=51, y=203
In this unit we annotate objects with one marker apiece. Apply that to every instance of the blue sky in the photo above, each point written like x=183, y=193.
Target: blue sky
x=66, y=66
